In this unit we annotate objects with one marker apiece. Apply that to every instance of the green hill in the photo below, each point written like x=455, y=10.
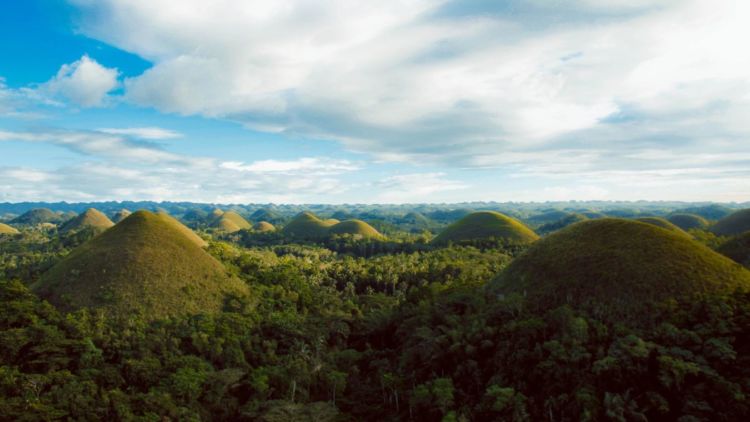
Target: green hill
x=736, y=223
x=37, y=216
x=617, y=270
x=709, y=212
x=264, y=227
x=197, y=240
x=688, y=221
x=215, y=213
x=307, y=225
x=6, y=229
x=486, y=225
x=120, y=215
x=356, y=228
x=147, y=264
x=561, y=223
x=737, y=249
x=664, y=224
x=230, y=222
x=90, y=219
x=265, y=214
x=550, y=216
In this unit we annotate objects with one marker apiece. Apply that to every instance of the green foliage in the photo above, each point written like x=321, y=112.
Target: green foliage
x=737, y=249
x=688, y=221
x=734, y=224
x=486, y=225
x=91, y=219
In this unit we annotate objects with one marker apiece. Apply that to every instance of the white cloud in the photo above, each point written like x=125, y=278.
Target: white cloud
x=84, y=82
x=143, y=132
x=308, y=165
x=415, y=187
x=398, y=79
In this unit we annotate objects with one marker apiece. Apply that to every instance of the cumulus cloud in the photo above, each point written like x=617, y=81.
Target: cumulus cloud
x=84, y=82
x=462, y=83
x=415, y=187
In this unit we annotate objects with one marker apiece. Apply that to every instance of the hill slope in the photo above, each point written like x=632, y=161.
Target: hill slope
x=355, y=227
x=144, y=264
x=37, y=216
x=230, y=222
x=617, y=270
x=688, y=221
x=664, y=224
x=6, y=229
x=307, y=225
x=737, y=249
x=264, y=227
x=486, y=225
x=733, y=224
x=89, y=219
x=197, y=240
x=120, y=215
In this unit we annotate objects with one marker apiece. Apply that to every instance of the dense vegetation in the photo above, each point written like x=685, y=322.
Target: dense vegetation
x=354, y=328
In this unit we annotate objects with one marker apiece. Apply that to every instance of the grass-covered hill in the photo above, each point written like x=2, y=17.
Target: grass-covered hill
x=92, y=219
x=230, y=222
x=6, y=229
x=549, y=216
x=486, y=225
x=264, y=227
x=664, y=224
x=120, y=215
x=147, y=264
x=266, y=214
x=736, y=223
x=355, y=227
x=197, y=240
x=688, y=221
x=569, y=219
x=737, y=248
x=307, y=225
x=618, y=270
x=37, y=216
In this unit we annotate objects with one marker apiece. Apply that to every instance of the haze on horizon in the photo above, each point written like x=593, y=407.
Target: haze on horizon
x=374, y=102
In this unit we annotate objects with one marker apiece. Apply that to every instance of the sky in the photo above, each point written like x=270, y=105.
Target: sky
x=394, y=101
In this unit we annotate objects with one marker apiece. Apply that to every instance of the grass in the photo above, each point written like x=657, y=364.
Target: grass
x=197, y=240
x=618, y=270
x=664, y=224
x=737, y=249
x=264, y=227
x=230, y=222
x=688, y=221
x=307, y=225
x=6, y=229
x=89, y=219
x=486, y=225
x=146, y=264
x=120, y=215
x=37, y=216
x=733, y=224
x=356, y=228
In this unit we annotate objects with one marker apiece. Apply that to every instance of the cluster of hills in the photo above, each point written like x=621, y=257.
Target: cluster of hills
x=307, y=225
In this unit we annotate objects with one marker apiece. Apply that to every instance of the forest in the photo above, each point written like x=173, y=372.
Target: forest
x=392, y=326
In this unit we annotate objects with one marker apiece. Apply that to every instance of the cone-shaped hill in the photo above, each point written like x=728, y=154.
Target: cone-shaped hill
x=216, y=212
x=197, y=240
x=265, y=214
x=738, y=249
x=355, y=227
x=618, y=271
x=733, y=224
x=6, y=229
x=120, y=215
x=307, y=225
x=91, y=219
x=147, y=264
x=664, y=224
x=37, y=216
x=688, y=221
x=264, y=227
x=486, y=225
x=230, y=222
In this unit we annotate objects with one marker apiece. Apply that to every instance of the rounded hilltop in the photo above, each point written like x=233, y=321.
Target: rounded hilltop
x=736, y=223
x=356, y=228
x=147, y=264
x=737, y=249
x=617, y=270
x=37, y=216
x=663, y=223
x=307, y=225
x=486, y=225
x=230, y=222
x=91, y=219
x=120, y=215
x=264, y=227
x=687, y=221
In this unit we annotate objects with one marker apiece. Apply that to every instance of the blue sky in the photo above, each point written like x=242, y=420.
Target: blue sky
x=399, y=101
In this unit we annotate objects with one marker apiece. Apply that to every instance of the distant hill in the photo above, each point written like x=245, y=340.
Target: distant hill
x=342, y=215
x=37, y=216
x=737, y=249
x=355, y=228
x=230, y=222
x=146, y=263
x=688, y=221
x=618, y=270
x=264, y=227
x=120, y=215
x=664, y=224
x=486, y=225
x=710, y=212
x=265, y=214
x=569, y=219
x=215, y=213
x=307, y=225
x=6, y=229
x=197, y=240
x=547, y=217
x=91, y=219
x=736, y=223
